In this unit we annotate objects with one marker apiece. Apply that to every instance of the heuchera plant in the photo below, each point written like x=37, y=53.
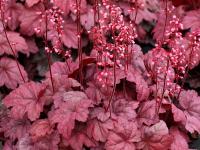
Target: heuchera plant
x=76, y=74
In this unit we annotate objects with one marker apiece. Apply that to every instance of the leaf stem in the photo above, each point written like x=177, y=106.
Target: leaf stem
x=78, y=15
x=6, y=35
x=168, y=61
x=48, y=53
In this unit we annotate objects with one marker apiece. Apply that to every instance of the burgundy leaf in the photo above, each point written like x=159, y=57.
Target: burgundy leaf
x=99, y=130
x=10, y=75
x=190, y=102
x=15, y=128
x=123, y=136
x=61, y=68
x=100, y=114
x=61, y=83
x=147, y=113
x=192, y=20
x=87, y=19
x=69, y=5
x=180, y=139
x=30, y=3
x=178, y=114
x=30, y=20
x=94, y=93
x=40, y=128
x=49, y=142
x=16, y=41
x=126, y=109
x=12, y=12
x=78, y=139
x=69, y=37
x=155, y=137
x=142, y=88
x=72, y=106
x=28, y=99
x=142, y=13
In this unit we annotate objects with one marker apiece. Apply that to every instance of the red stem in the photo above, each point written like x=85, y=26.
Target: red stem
x=114, y=68
x=114, y=84
x=168, y=60
x=47, y=53
x=176, y=81
x=95, y=10
x=164, y=86
x=136, y=12
x=78, y=7
x=13, y=51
